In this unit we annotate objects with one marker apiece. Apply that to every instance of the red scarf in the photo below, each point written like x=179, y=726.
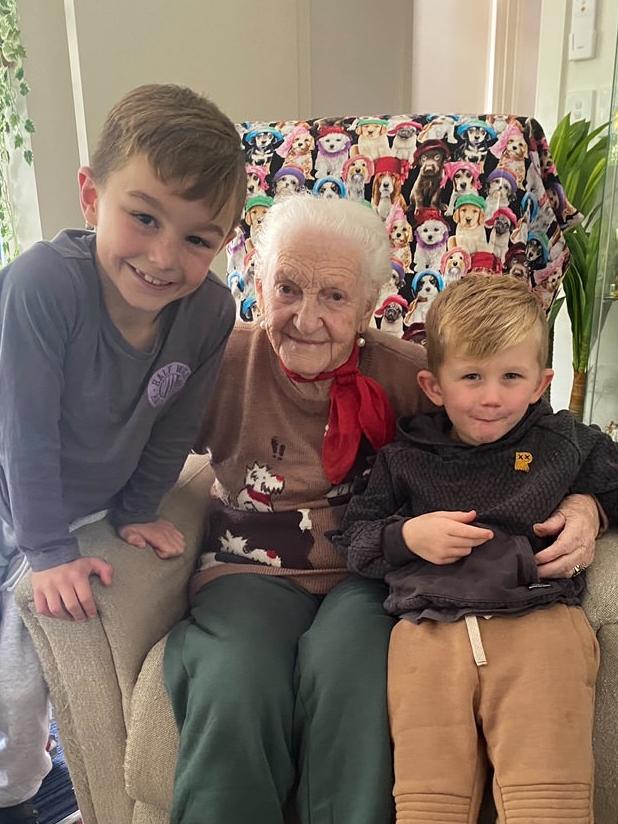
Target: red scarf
x=358, y=405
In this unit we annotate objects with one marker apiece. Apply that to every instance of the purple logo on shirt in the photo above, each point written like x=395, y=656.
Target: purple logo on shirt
x=166, y=381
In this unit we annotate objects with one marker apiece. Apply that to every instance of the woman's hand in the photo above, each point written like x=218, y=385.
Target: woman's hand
x=162, y=536
x=443, y=537
x=576, y=525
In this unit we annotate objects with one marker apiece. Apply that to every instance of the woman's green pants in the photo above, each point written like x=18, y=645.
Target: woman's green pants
x=280, y=697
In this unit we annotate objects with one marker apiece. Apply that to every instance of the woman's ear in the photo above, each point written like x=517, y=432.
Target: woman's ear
x=430, y=385
x=88, y=195
x=370, y=307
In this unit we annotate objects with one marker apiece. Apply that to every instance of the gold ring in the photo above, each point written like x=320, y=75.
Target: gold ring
x=577, y=569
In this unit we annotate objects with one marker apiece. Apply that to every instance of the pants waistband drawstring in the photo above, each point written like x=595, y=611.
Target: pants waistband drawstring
x=474, y=634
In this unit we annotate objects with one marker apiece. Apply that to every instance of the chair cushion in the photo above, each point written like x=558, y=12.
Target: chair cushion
x=152, y=736
x=418, y=171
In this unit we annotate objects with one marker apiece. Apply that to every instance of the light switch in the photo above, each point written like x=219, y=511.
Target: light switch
x=582, y=37
x=579, y=104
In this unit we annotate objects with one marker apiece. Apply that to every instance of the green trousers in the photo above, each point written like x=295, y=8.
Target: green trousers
x=280, y=696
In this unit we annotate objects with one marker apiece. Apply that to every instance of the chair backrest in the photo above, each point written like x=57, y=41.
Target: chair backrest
x=457, y=194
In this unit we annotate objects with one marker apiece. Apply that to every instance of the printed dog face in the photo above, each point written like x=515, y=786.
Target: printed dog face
x=516, y=147
x=333, y=143
x=302, y=144
x=476, y=136
x=455, y=265
x=255, y=217
x=431, y=162
x=500, y=188
x=432, y=233
x=463, y=181
x=263, y=140
x=386, y=185
x=393, y=312
x=427, y=286
x=254, y=183
x=534, y=251
x=400, y=234
x=372, y=130
x=287, y=185
x=519, y=269
x=502, y=225
x=329, y=190
x=469, y=216
x=358, y=171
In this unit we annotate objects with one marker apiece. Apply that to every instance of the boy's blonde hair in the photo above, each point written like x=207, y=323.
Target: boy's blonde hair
x=186, y=139
x=481, y=315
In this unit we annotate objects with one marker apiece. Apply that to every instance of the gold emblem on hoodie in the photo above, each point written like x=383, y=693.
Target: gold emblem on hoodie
x=523, y=461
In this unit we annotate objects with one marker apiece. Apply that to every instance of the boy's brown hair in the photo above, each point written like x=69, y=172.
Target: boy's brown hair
x=481, y=315
x=185, y=137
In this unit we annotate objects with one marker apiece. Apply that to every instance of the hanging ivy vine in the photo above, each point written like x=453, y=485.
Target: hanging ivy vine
x=14, y=126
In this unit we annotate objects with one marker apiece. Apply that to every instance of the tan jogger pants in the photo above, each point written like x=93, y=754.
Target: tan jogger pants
x=529, y=710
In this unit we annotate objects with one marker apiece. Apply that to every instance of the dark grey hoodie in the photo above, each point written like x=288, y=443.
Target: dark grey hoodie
x=512, y=483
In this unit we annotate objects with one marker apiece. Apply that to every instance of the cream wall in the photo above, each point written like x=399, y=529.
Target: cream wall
x=277, y=59
x=558, y=79
x=450, y=55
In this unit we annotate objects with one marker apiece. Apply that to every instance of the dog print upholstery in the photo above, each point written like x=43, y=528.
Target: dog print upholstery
x=456, y=194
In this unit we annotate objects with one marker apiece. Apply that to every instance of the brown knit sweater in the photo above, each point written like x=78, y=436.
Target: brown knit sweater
x=274, y=504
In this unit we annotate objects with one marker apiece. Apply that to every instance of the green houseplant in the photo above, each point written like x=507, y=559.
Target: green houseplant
x=580, y=155
x=14, y=125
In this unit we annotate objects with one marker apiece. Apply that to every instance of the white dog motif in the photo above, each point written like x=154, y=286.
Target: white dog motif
x=431, y=240
x=236, y=545
x=260, y=485
x=333, y=148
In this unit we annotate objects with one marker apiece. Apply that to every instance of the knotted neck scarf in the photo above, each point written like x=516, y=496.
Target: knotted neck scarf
x=358, y=406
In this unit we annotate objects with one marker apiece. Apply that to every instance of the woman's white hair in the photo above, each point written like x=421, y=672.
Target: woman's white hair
x=342, y=219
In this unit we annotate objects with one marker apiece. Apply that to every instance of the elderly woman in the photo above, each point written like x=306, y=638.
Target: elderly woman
x=278, y=677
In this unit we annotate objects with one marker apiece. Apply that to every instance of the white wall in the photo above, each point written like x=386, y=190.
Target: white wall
x=450, y=55
x=559, y=79
x=276, y=59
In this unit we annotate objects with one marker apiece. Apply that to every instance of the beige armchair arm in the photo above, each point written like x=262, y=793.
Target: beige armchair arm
x=91, y=668
x=601, y=605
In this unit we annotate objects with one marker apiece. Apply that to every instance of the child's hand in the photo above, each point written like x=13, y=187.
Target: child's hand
x=443, y=537
x=162, y=536
x=64, y=591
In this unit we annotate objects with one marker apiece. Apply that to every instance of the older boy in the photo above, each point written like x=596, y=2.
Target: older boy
x=110, y=342
x=498, y=455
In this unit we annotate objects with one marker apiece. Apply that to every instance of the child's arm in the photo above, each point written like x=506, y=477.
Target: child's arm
x=598, y=477
x=38, y=307
x=173, y=435
x=378, y=536
x=598, y=474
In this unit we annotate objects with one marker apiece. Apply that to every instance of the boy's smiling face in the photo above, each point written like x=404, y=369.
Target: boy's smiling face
x=152, y=246
x=485, y=398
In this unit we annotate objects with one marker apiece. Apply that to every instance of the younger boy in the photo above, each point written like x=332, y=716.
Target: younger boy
x=110, y=342
x=495, y=454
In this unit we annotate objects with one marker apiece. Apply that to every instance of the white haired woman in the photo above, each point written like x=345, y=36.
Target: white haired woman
x=278, y=677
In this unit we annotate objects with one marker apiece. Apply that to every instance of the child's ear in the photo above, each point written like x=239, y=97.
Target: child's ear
x=88, y=195
x=430, y=386
x=544, y=381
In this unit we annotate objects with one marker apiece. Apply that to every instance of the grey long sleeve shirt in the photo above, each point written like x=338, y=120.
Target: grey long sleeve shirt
x=87, y=422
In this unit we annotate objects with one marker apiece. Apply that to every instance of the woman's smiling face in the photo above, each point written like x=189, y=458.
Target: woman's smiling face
x=314, y=301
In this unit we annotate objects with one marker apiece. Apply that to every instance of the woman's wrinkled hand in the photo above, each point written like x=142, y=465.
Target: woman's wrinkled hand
x=576, y=525
x=444, y=537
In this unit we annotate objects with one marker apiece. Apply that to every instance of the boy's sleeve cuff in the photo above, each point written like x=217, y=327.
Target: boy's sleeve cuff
x=393, y=546
x=603, y=519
